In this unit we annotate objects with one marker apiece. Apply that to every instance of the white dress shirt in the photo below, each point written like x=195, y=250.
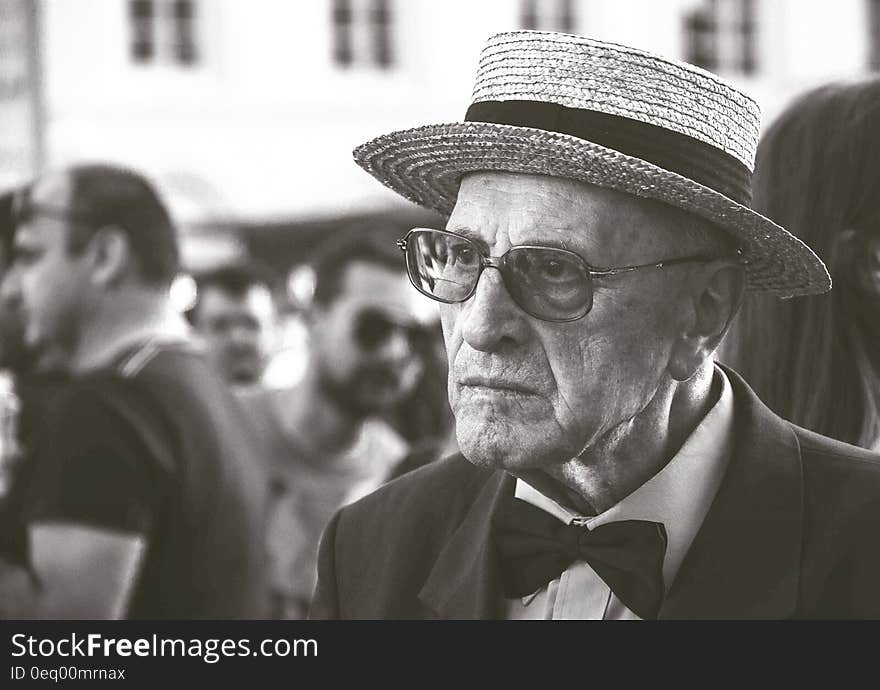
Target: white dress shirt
x=678, y=496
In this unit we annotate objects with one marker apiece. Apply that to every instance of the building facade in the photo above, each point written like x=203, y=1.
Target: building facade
x=249, y=110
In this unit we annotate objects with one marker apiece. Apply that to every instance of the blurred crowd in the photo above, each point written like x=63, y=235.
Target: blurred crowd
x=146, y=446
x=146, y=469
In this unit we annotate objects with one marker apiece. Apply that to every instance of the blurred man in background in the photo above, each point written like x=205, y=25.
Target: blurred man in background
x=237, y=319
x=328, y=443
x=27, y=386
x=12, y=362
x=144, y=500
x=12, y=351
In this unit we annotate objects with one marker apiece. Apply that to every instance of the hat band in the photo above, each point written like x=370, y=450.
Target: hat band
x=672, y=151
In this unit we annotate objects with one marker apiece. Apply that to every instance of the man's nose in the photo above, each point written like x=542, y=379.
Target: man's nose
x=491, y=318
x=241, y=336
x=396, y=346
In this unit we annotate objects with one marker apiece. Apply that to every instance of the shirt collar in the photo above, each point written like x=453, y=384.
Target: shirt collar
x=168, y=327
x=678, y=496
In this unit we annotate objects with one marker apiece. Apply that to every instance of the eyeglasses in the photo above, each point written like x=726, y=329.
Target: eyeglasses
x=545, y=282
x=24, y=208
x=372, y=328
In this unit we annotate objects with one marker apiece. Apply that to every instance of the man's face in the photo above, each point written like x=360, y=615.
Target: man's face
x=11, y=326
x=45, y=284
x=360, y=345
x=528, y=393
x=10, y=321
x=239, y=331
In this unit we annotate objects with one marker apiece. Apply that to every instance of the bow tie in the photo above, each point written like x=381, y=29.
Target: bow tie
x=535, y=548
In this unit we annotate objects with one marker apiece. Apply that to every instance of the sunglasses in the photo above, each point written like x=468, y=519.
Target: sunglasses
x=372, y=329
x=545, y=282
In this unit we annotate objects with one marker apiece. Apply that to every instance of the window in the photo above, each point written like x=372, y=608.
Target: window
x=362, y=33
x=548, y=15
x=142, y=30
x=721, y=36
x=874, y=34
x=184, y=45
x=163, y=31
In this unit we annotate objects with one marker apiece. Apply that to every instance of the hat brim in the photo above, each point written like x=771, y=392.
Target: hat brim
x=426, y=165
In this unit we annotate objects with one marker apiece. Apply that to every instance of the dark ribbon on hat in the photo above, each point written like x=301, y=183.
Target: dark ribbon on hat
x=665, y=148
x=535, y=548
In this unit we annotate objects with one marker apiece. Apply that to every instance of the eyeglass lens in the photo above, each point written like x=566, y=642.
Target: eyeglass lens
x=548, y=283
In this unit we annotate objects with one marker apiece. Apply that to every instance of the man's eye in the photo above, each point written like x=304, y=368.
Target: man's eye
x=462, y=254
x=558, y=270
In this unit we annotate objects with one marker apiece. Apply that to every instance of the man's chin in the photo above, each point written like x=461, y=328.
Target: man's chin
x=361, y=407
x=245, y=376
x=500, y=447
x=376, y=400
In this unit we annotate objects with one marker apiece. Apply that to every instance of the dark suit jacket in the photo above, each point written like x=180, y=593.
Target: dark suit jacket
x=792, y=533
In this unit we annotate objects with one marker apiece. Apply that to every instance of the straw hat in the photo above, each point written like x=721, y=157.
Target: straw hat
x=616, y=117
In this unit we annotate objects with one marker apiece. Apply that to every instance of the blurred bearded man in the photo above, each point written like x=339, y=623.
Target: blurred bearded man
x=598, y=244
x=328, y=443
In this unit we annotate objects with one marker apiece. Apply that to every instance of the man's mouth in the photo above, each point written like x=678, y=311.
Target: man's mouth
x=496, y=385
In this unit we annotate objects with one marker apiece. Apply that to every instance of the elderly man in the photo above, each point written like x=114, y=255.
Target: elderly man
x=598, y=244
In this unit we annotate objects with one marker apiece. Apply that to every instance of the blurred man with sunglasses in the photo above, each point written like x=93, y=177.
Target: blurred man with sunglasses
x=144, y=500
x=598, y=243
x=327, y=434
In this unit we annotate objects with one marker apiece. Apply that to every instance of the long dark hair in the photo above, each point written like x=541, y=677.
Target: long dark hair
x=816, y=360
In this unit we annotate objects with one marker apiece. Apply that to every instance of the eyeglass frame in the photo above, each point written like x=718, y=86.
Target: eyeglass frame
x=24, y=208
x=414, y=331
x=498, y=262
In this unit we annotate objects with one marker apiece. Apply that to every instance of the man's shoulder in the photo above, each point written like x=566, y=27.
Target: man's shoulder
x=832, y=450
x=823, y=459
x=147, y=367
x=173, y=361
x=110, y=408
x=94, y=390
x=440, y=492
x=102, y=413
x=831, y=465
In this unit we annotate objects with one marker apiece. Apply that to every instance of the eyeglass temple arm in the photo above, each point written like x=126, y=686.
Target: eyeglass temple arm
x=402, y=242
x=661, y=264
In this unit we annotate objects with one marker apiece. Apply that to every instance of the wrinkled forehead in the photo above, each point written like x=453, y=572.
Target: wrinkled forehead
x=518, y=208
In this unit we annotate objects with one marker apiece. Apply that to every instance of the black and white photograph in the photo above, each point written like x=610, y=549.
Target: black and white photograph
x=387, y=310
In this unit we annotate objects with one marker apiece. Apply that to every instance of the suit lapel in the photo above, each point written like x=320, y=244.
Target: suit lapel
x=744, y=561
x=464, y=582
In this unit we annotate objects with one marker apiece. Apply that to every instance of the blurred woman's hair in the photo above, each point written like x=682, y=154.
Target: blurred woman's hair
x=816, y=360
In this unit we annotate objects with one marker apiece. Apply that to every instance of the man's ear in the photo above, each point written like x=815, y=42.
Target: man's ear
x=714, y=299
x=110, y=255
x=858, y=254
x=872, y=265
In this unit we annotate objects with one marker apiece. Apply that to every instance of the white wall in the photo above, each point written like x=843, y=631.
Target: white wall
x=264, y=126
